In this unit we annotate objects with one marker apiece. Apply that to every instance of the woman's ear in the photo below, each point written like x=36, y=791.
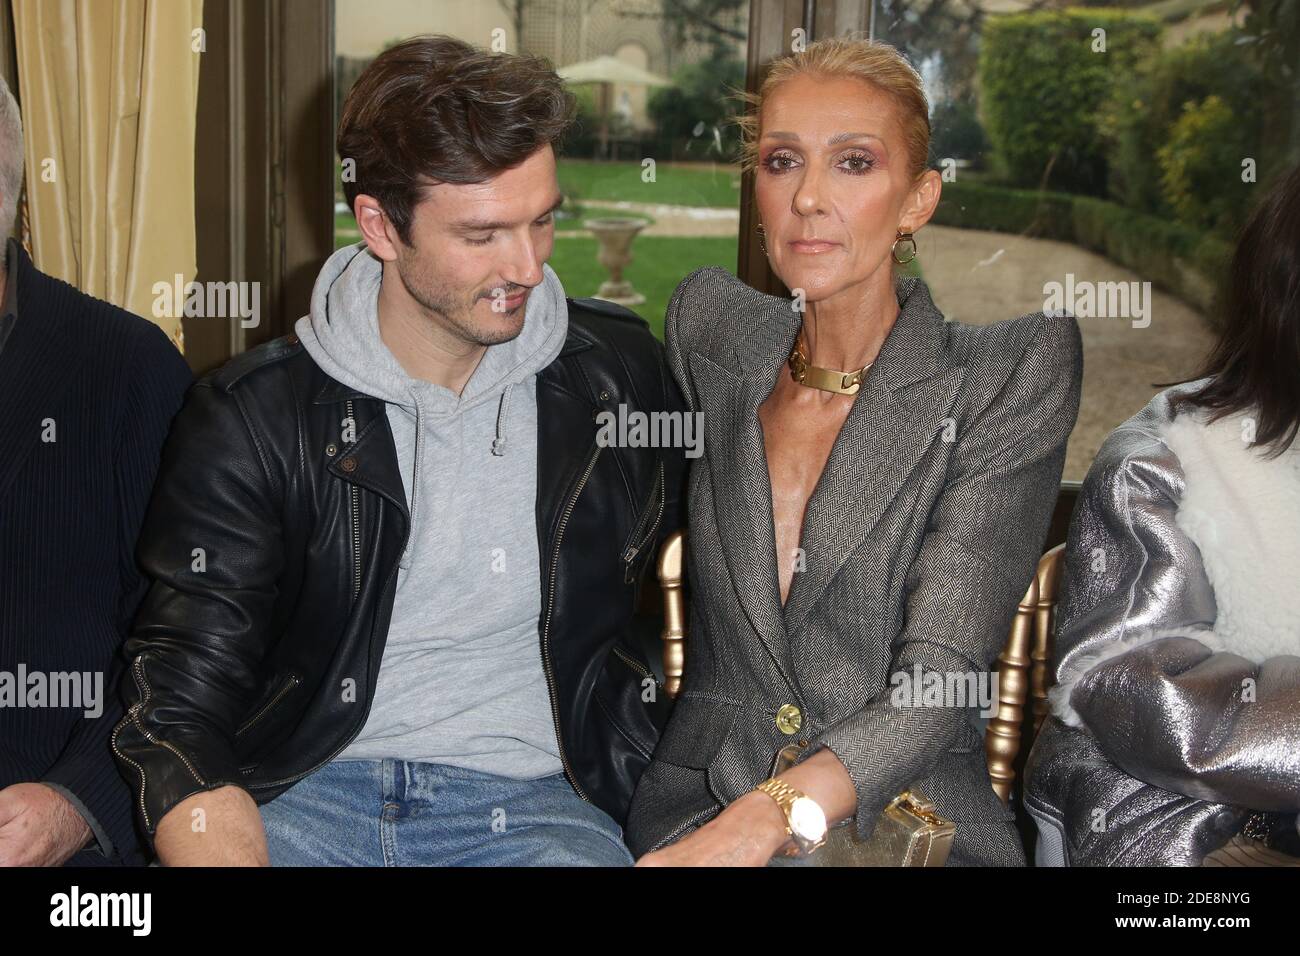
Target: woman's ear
x=921, y=201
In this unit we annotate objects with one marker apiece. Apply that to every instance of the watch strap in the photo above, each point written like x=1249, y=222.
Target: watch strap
x=785, y=796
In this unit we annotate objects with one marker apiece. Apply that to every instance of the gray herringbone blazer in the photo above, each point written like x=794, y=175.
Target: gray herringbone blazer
x=920, y=538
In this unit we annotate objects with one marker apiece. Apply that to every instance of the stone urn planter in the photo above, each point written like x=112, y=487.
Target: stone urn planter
x=615, y=237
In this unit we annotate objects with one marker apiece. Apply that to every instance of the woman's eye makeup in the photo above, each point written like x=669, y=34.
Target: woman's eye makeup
x=855, y=163
x=774, y=160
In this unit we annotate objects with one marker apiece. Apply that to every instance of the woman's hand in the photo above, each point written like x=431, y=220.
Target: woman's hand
x=752, y=828
x=747, y=833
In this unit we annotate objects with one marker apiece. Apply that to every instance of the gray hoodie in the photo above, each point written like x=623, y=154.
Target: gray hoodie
x=461, y=680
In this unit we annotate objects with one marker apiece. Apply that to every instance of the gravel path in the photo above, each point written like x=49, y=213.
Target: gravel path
x=677, y=221
x=978, y=276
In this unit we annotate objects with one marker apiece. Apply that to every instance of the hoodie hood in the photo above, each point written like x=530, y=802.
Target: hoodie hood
x=342, y=335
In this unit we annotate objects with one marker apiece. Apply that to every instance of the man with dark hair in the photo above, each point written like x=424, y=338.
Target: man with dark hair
x=394, y=564
x=87, y=391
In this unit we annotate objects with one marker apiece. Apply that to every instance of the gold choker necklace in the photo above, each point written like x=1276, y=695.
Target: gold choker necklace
x=827, y=379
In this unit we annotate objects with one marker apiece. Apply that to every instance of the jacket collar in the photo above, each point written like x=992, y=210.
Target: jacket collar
x=914, y=348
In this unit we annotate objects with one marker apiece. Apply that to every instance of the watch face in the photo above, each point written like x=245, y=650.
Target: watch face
x=807, y=819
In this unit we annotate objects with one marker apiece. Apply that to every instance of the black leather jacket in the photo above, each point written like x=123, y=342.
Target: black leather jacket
x=273, y=549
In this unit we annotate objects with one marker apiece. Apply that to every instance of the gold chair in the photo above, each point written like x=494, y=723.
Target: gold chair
x=1023, y=664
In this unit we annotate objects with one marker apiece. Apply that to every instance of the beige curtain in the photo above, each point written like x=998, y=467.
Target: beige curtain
x=109, y=91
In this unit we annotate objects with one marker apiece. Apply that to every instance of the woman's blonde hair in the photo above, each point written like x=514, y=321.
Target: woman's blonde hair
x=871, y=61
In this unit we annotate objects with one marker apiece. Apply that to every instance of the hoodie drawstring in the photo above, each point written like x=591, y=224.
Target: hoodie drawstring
x=499, y=443
x=416, y=468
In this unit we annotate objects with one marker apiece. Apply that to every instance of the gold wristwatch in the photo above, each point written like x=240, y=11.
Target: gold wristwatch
x=804, y=819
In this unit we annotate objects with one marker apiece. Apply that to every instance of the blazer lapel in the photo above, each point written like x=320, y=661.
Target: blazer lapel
x=742, y=489
x=742, y=496
x=900, y=411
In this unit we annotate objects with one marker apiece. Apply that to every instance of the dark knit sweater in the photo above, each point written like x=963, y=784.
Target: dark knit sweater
x=103, y=384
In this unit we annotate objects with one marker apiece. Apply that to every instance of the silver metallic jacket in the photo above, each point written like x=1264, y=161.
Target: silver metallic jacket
x=1177, y=705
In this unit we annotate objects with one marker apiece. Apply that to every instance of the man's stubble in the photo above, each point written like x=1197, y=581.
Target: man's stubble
x=456, y=314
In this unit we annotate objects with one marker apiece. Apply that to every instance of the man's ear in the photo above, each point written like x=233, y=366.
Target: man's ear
x=376, y=228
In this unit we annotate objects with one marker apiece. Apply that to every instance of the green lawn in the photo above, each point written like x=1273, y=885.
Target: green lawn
x=659, y=264
x=674, y=185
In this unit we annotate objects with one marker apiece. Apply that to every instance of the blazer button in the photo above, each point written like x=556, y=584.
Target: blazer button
x=348, y=464
x=789, y=719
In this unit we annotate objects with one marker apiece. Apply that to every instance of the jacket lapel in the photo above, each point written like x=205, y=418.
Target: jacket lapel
x=370, y=460
x=899, y=413
x=730, y=390
x=742, y=497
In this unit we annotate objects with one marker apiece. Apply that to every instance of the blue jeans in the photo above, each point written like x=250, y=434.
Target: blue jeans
x=398, y=813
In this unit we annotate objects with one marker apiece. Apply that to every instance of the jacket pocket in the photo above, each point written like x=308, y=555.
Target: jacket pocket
x=638, y=667
x=696, y=730
x=279, y=691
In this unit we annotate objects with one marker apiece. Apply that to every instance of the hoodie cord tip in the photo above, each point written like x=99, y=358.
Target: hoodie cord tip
x=499, y=442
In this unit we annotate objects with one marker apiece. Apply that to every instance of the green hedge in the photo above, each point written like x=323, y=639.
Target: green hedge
x=1181, y=260
x=1042, y=87
x=1178, y=128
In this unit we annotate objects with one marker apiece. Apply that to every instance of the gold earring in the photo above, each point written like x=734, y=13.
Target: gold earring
x=762, y=239
x=893, y=250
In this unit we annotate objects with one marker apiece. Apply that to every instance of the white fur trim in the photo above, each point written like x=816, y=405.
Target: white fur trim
x=1243, y=512
x=1059, y=696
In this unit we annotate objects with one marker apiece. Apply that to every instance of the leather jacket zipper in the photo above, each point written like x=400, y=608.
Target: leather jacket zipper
x=635, y=664
x=629, y=555
x=144, y=814
x=354, y=511
x=262, y=711
x=133, y=715
x=546, y=627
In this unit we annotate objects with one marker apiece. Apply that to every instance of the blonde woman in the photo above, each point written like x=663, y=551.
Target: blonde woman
x=875, y=487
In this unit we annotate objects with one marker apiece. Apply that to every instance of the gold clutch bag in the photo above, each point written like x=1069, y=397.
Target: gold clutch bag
x=908, y=833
